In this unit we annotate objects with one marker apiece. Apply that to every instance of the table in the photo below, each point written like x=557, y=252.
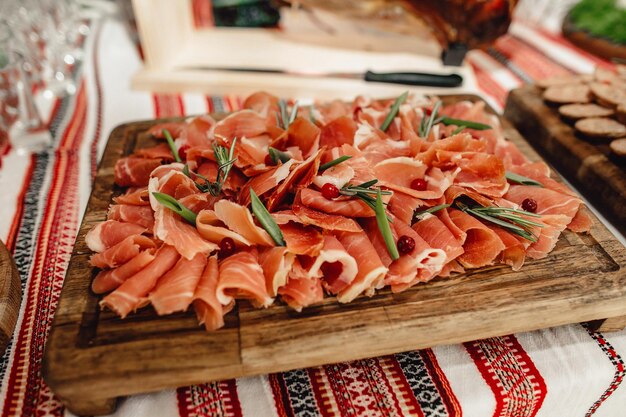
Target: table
x=568, y=370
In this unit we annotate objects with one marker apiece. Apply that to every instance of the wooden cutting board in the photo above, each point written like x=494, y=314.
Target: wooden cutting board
x=92, y=357
x=10, y=296
x=589, y=165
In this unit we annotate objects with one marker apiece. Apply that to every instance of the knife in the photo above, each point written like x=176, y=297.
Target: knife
x=407, y=78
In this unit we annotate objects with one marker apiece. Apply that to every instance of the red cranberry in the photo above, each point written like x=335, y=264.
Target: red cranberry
x=419, y=184
x=330, y=191
x=269, y=161
x=356, y=113
x=529, y=205
x=227, y=247
x=406, y=244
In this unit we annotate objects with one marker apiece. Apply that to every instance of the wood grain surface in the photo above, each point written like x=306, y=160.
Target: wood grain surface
x=92, y=356
x=591, y=167
x=10, y=296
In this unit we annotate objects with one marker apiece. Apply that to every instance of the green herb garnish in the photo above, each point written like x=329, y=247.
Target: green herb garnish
x=363, y=192
x=383, y=226
x=507, y=218
x=520, y=179
x=334, y=162
x=311, y=115
x=170, y=141
x=417, y=216
x=427, y=123
x=225, y=160
x=266, y=220
x=276, y=155
x=171, y=203
x=283, y=117
x=466, y=123
x=393, y=111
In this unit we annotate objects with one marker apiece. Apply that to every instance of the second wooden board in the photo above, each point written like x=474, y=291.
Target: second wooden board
x=93, y=357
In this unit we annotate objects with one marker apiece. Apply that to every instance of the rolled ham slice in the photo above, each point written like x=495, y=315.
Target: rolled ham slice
x=241, y=276
x=132, y=293
x=209, y=310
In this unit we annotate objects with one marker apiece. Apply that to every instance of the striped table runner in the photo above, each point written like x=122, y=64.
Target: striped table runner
x=563, y=371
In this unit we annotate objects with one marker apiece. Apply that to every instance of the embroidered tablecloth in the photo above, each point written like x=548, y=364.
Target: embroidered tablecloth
x=563, y=371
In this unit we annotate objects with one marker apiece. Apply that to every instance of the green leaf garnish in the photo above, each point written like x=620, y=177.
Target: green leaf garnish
x=393, y=111
x=283, y=117
x=225, y=160
x=383, y=226
x=311, y=115
x=467, y=123
x=427, y=123
x=170, y=141
x=171, y=203
x=507, y=218
x=266, y=220
x=334, y=162
x=520, y=179
x=276, y=155
x=417, y=216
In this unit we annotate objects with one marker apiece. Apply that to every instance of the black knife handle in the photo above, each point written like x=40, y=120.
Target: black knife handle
x=415, y=78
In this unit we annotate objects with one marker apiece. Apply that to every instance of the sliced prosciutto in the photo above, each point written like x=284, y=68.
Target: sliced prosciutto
x=109, y=233
x=276, y=263
x=173, y=230
x=302, y=240
x=209, y=310
x=241, y=276
x=348, y=207
x=133, y=171
x=239, y=219
x=136, y=196
x=132, y=293
x=265, y=182
x=481, y=246
x=110, y=279
x=336, y=267
x=122, y=252
x=324, y=220
x=214, y=230
x=371, y=270
x=437, y=235
x=300, y=290
x=175, y=290
x=140, y=215
x=514, y=251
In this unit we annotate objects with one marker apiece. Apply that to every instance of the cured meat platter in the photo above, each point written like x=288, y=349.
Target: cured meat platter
x=93, y=357
x=588, y=164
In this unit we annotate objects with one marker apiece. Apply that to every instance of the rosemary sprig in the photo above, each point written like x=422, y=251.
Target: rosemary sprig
x=419, y=215
x=383, y=226
x=266, y=220
x=393, y=111
x=507, y=218
x=225, y=160
x=363, y=192
x=334, y=162
x=467, y=123
x=170, y=141
x=427, y=123
x=276, y=155
x=283, y=117
x=520, y=179
x=178, y=208
x=311, y=115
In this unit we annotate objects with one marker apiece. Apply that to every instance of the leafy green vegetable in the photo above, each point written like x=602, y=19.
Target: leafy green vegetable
x=276, y=155
x=520, y=179
x=603, y=18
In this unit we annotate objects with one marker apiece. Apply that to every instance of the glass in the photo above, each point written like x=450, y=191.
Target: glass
x=19, y=118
